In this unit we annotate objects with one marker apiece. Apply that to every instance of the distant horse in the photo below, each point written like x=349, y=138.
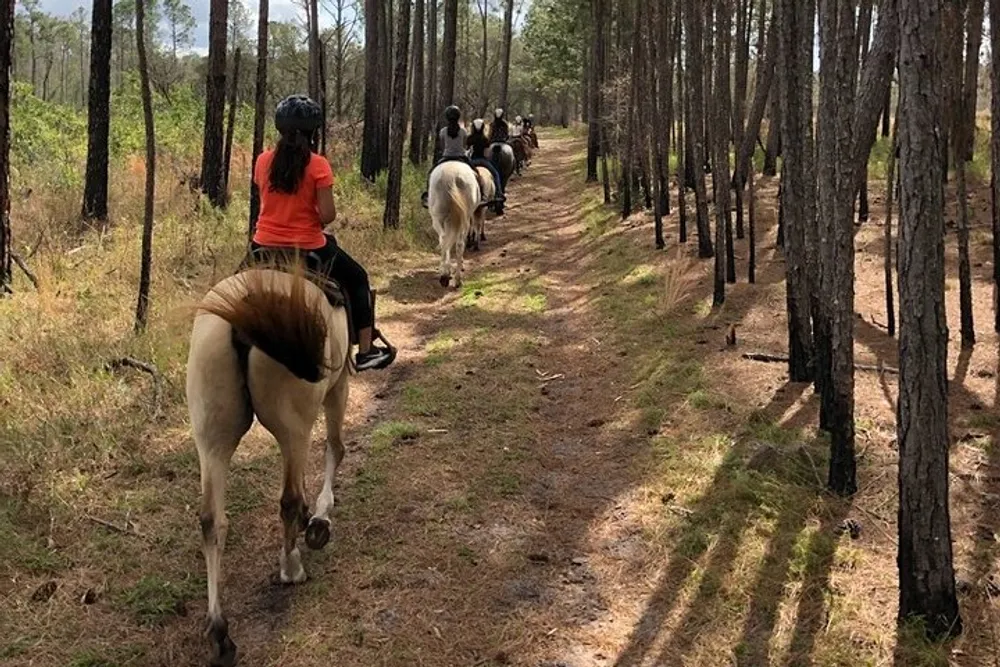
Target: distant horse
x=267, y=343
x=522, y=153
x=532, y=137
x=502, y=156
x=477, y=232
x=453, y=196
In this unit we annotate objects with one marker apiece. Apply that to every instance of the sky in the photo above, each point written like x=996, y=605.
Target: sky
x=279, y=10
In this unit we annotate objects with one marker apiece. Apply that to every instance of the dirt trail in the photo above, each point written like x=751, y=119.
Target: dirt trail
x=469, y=490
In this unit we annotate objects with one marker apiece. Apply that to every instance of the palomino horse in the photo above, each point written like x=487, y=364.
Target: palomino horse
x=265, y=343
x=502, y=157
x=477, y=232
x=452, y=198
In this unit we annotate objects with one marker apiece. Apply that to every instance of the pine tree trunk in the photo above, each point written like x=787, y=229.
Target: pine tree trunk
x=430, y=111
x=798, y=180
x=260, y=100
x=926, y=569
x=95, y=190
x=971, y=80
x=508, y=33
x=891, y=181
x=371, y=162
x=142, y=306
x=752, y=223
x=398, y=128
x=6, y=53
x=231, y=124
x=995, y=155
x=215, y=105
x=449, y=55
x=696, y=100
x=837, y=185
x=720, y=155
x=683, y=134
x=417, y=124
x=594, y=97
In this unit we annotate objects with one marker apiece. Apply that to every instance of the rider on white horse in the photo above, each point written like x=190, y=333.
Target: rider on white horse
x=454, y=140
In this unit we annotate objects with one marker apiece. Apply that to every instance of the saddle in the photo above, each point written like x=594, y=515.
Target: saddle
x=313, y=268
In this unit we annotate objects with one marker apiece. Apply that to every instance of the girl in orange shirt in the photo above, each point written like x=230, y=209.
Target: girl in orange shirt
x=296, y=203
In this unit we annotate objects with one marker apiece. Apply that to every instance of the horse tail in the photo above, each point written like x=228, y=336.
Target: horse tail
x=285, y=324
x=458, y=212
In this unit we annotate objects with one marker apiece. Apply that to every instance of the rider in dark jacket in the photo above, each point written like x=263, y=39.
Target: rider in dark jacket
x=478, y=142
x=499, y=132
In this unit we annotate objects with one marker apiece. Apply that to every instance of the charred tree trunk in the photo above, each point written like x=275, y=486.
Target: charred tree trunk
x=215, y=105
x=95, y=190
x=260, y=100
x=926, y=569
x=142, y=307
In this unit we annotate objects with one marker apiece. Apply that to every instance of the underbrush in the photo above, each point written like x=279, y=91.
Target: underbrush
x=71, y=416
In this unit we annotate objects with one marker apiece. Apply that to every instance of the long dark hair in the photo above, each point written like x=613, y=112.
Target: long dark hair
x=291, y=157
x=453, y=128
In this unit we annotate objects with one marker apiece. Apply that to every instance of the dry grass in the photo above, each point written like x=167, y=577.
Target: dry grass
x=566, y=465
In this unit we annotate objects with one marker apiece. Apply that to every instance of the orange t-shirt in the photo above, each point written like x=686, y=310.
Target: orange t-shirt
x=291, y=220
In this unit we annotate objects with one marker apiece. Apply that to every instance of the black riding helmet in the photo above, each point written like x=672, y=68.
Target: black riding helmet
x=298, y=112
x=452, y=114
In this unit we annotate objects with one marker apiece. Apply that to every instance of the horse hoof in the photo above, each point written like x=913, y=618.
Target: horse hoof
x=223, y=648
x=317, y=534
x=444, y=281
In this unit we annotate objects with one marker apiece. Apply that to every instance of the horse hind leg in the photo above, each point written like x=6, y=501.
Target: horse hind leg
x=214, y=526
x=445, y=269
x=294, y=511
x=318, y=531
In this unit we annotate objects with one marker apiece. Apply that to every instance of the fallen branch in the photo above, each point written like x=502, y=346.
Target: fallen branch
x=24, y=267
x=781, y=359
x=118, y=529
x=130, y=362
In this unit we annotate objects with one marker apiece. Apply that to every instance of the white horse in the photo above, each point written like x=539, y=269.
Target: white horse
x=489, y=189
x=452, y=199
x=265, y=343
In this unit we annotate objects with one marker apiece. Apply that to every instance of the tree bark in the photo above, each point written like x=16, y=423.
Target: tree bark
x=836, y=180
x=417, y=124
x=995, y=155
x=798, y=182
x=596, y=84
x=398, y=128
x=449, y=55
x=926, y=571
x=95, y=190
x=6, y=54
x=371, y=162
x=142, y=306
x=260, y=100
x=231, y=124
x=508, y=33
x=971, y=78
x=431, y=112
x=720, y=155
x=696, y=101
x=215, y=105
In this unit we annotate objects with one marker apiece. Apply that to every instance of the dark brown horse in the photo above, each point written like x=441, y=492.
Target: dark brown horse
x=522, y=153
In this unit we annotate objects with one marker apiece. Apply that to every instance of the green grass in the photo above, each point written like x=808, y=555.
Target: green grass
x=154, y=599
x=388, y=434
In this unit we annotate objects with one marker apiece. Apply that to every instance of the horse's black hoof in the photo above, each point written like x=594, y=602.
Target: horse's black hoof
x=317, y=534
x=444, y=281
x=223, y=648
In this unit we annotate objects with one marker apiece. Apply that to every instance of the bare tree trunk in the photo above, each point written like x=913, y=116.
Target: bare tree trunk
x=837, y=186
x=971, y=82
x=887, y=248
x=142, y=307
x=371, y=162
x=752, y=220
x=798, y=181
x=260, y=100
x=696, y=100
x=926, y=569
x=417, y=124
x=449, y=55
x=683, y=133
x=773, y=147
x=398, y=129
x=508, y=33
x=720, y=155
x=595, y=73
x=6, y=53
x=431, y=112
x=995, y=154
x=95, y=191
x=215, y=105
x=231, y=125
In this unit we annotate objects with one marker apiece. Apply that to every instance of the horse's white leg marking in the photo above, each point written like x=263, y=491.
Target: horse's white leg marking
x=459, y=256
x=214, y=525
x=336, y=407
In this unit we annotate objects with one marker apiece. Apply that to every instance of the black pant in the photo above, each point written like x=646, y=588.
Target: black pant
x=351, y=276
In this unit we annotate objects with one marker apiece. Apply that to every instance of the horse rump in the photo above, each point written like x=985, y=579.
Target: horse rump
x=286, y=324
